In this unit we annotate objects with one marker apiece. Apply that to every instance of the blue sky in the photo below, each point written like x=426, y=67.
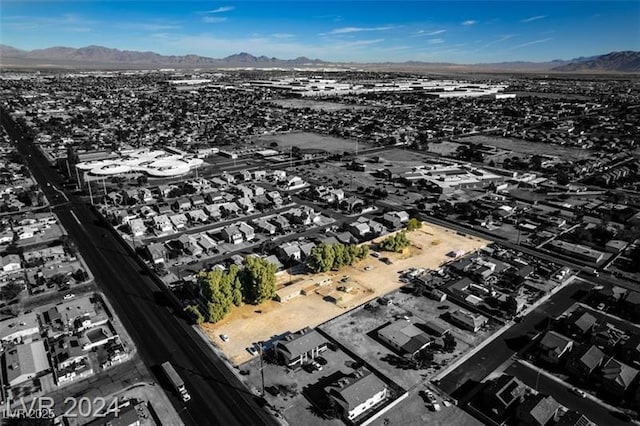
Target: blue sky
x=359, y=31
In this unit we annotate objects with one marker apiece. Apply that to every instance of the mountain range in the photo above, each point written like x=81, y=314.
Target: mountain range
x=99, y=57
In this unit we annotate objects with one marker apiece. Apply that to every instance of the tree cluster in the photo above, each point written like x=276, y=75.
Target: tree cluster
x=325, y=257
x=255, y=283
x=395, y=243
x=413, y=224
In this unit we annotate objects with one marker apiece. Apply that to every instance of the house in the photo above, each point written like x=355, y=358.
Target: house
x=577, y=251
x=617, y=377
x=553, y=347
x=246, y=205
x=23, y=327
x=162, y=223
x=189, y=246
x=197, y=216
x=126, y=416
x=631, y=304
x=629, y=350
x=585, y=361
x=305, y=249
x=265, y=227
x=360, y=229
x=213, y=210
x=404, y=337
x=259, y=175
x=65, y=351
x=156, y=252
x=300, y=347
x=579, y=323
x=247, y=231
x=573, y=418
x=395, y=219
x=501, y=394
x=25, y=362
x=537, y=410
x=605, y=335
x=355, y=394
x=230, y=209
x=232, y=234
x=179, y=221
x=289, y=251
x=197, y=200
x=182, y=204
x=207, y=243
x=44, y=255
x=352, y=205
x=137, y=227
x=281, y=224
x=10, y=263
x=467, y=320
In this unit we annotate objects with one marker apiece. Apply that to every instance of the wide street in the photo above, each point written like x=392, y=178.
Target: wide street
x=218, y=397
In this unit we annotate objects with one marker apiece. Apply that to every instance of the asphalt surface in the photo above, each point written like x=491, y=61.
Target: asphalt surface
x=463, y=381
x=218, y=397
x=594, y=411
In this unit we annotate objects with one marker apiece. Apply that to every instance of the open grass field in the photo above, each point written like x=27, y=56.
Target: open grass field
x=368, y=280
x=308, y=140
x=528, y=147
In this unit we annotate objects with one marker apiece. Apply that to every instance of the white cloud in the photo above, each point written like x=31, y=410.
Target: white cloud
x=469, y=22
x=435, y=41
x=282, y=35
x=347, y=30
x=534, y=18
x=529, y=43
x=213, y=19
x=220, y=9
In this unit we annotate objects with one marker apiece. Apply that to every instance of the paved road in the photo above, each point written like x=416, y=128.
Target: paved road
x=218, y=397
x=594, y=412
x=462, y=381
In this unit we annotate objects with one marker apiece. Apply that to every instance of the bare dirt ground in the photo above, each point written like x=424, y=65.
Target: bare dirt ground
x=310, y=140
x=368, y=280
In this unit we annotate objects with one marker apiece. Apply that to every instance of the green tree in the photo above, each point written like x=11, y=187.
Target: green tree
x=340, y=256
x=236, y=285
x=258, y=279
x=216, y=290
x=413, y=224
x=395, y=243
x=321, y=258
x=194, y=314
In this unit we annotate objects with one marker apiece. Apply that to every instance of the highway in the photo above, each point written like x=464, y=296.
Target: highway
x=218, y=397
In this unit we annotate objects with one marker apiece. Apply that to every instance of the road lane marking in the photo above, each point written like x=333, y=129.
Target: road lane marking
x=75, y=217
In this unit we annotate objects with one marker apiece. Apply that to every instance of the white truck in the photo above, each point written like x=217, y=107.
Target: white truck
x=176, y=381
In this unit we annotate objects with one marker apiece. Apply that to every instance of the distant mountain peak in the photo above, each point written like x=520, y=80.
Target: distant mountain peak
x=624, y=61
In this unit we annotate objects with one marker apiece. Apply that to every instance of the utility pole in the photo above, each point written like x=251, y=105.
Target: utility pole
x=68, y=169
x=104, y=186
x=90, y=194
x=77, y=178
x=261, y=368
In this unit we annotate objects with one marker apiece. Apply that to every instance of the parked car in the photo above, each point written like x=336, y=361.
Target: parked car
x=321, y=360
x=224, y=337
x=69, y=296
x=579, y=392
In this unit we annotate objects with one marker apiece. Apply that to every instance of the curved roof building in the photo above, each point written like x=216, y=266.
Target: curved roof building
x=157, y=163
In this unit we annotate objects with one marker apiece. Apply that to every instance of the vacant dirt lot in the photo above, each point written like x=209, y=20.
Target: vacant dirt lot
x=304, y=140
x=368, y=279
